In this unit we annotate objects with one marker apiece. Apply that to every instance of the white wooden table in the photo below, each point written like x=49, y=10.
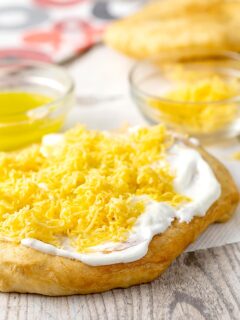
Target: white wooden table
x=200, y=285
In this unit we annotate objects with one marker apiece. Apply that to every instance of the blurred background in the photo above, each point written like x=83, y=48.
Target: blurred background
x=56, y=30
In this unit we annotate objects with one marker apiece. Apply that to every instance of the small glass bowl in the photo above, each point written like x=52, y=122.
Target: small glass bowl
x=40, y=78
x=151, y=81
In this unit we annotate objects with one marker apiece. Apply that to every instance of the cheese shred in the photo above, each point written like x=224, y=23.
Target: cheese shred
x=84, y=187
x=199, y=106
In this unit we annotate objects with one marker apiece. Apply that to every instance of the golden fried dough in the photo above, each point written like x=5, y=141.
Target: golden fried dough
x=178, y=29
x=25, y=270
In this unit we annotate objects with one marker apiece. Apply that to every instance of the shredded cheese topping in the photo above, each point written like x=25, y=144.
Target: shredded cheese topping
x=84, y=186
x=205, y=116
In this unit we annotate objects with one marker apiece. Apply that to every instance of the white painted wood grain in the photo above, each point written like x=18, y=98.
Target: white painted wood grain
x=200, y=285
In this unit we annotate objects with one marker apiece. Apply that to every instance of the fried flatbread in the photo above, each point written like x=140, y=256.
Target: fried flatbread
x=178, y=30
x=25, y=270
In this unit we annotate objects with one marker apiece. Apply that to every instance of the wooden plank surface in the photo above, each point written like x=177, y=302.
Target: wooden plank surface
x=200, y=285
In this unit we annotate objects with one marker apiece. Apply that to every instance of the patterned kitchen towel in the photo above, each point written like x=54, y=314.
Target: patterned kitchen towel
x=56, y=30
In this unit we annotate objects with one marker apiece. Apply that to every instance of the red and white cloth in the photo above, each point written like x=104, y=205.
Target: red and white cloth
x=56, y=30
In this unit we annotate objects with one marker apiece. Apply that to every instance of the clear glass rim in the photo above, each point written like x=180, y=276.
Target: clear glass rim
x=68, y=88
x=230, y=55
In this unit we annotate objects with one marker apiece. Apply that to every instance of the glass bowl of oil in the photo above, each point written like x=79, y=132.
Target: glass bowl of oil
x=199, y=98
x=35, y=98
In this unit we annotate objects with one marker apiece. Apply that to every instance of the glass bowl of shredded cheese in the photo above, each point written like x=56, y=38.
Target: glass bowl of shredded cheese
x=35, y=98
x=200, y=98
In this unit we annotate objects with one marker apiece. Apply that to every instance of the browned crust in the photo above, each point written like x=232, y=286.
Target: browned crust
x=26, y=270
x=177, y=29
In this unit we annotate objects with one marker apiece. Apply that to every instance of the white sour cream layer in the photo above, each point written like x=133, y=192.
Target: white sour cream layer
x=193, y=178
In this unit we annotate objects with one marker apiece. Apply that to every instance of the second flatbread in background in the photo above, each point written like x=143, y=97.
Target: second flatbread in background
x=176, y=29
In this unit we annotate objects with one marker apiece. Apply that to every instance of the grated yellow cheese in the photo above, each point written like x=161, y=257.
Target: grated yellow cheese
x=84, y=187
x=203, y=116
